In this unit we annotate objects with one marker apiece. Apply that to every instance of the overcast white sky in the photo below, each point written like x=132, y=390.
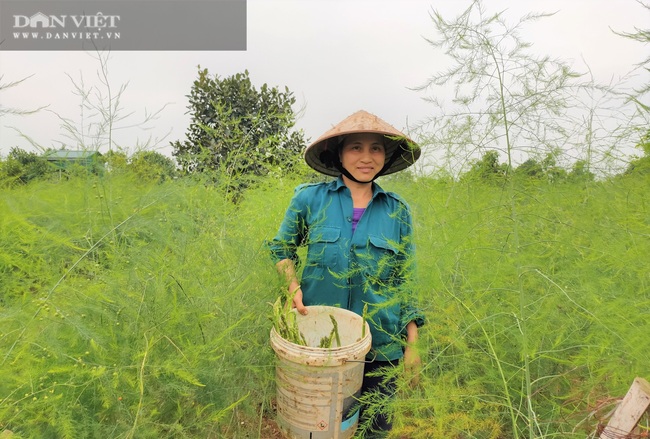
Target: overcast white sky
x=337, y=56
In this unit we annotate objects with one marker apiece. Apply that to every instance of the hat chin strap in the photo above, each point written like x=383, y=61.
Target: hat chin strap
x=331, y=159
x=345, y=172
x=387, y=165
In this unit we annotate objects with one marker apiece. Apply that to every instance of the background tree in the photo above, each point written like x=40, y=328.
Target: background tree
x=487, y=168
x=151, y=165
x=239, y=131
x=116, y=161
x=22, y=166
x=547, y=168
x=580, y=172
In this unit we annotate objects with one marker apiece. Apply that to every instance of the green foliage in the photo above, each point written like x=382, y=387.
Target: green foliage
x=513, y=285
x=132, y=308
x=127, y=310
x=239, y=128
x=547, y=168
x=487, y=168
x=151, y=165
x=136, y=305
x=558, y=297
x=116, y=161
x=581, y=172
x=641, y=165
x=239, y=132
x=22, y=167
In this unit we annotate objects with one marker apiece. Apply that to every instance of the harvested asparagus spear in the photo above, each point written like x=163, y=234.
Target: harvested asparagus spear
x=285, y=323
x=335, y=330
x=326, y=341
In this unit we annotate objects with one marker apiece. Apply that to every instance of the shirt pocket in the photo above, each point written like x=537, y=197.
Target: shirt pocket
x=383, y=259
x=323, y=246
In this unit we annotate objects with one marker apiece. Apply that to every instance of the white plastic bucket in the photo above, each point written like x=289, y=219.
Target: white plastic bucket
x=317, y=388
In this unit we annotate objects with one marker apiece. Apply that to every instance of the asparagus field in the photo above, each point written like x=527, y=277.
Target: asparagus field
x=142, y=310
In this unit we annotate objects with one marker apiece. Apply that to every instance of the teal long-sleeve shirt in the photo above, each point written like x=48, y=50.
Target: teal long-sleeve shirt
x=373, y=265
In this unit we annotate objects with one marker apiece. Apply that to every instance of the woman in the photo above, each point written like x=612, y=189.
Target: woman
x=359, y=241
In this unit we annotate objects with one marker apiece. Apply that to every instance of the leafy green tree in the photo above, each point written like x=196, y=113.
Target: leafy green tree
x=552, y=170
x=580, y=172
x=530, y=168
x=151, y=165
x=238, y=131
x=23, y=166
x=116, y=161
x=547, y=168
x=487, y=168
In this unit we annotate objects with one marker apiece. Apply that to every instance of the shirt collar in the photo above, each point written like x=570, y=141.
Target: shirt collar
x=337, y=184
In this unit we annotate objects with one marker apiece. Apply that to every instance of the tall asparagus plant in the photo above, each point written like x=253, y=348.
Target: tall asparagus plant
x=505, y=99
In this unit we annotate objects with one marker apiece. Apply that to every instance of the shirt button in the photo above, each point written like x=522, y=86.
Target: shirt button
x=349, y=219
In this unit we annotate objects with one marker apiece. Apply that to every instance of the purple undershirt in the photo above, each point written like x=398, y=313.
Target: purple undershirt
x=356, y=216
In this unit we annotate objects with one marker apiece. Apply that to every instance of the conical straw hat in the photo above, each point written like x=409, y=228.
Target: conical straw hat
x=362, y=122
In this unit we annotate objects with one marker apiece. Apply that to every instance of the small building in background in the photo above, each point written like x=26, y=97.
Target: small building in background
x=64, y=159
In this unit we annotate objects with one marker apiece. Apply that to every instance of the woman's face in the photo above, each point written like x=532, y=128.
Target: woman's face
x=363, y=155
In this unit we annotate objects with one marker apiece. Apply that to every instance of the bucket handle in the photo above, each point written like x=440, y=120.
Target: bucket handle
x=363, y=361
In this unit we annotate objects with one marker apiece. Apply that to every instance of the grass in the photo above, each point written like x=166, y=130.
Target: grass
x=135, y=310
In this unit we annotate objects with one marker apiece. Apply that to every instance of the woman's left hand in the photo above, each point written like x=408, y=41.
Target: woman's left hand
x=412, y=361
x=412, y=365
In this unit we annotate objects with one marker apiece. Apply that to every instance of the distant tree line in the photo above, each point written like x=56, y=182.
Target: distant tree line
x=489, y=168
x=22, y=167
x=239, y=133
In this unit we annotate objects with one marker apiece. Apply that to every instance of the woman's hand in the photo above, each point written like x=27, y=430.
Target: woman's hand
x=288, y=270
x=412, y=361
x=412, y=365
x=297, y=300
